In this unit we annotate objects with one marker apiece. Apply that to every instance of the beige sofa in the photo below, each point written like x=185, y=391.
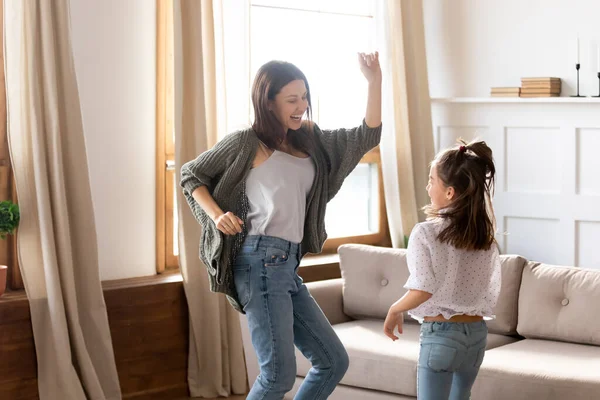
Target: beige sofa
x=544, y=343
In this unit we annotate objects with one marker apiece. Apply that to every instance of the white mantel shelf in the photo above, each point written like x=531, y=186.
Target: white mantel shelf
x=552, y=100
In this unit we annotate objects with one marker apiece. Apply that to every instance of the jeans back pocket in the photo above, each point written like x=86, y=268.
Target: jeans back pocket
x=439, y=357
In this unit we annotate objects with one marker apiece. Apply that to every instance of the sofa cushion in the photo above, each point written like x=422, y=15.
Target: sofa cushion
x=537, y=369
x=373, y=279
x=560, y=303
x=378, y=363
x=506, y=309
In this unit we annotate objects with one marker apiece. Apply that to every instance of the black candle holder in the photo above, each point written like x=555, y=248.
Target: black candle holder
x=577, y=66
x=598, y=85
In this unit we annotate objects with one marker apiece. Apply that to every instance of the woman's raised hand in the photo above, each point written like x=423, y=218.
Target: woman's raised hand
x=369, y=66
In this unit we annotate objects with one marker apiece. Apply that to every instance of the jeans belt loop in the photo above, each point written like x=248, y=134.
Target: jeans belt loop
x=256, y=243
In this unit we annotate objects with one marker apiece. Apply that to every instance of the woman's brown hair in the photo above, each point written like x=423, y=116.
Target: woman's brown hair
x=469, y=169
x=269, y=81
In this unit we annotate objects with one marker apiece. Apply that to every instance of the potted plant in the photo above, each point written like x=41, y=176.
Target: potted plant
x=9, y=220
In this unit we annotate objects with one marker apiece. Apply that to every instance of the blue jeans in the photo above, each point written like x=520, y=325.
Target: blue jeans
x=282, y=313
x=449, y=360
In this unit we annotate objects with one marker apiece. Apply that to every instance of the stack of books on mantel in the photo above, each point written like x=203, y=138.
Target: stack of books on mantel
x=540, y=87
x=505, y=91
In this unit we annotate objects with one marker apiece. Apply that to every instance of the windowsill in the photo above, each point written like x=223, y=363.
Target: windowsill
x=166, y=277
x=320, y=260
x=13, y=296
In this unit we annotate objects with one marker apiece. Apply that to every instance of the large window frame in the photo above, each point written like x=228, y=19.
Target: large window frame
x=166, y=258
x=165, y=145
x=382, y=236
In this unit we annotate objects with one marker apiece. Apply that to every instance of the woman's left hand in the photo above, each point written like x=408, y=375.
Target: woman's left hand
x=369, y=66
x=392, y=320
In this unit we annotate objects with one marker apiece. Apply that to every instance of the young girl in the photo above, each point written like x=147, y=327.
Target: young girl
x=260, y=196
x=454, y=273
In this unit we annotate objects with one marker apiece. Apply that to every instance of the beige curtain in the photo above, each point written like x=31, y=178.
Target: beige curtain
x=57, y=236
x=407, y=143
x=216, y=361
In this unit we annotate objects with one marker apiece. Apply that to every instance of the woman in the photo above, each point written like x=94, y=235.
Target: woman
x=260, y=195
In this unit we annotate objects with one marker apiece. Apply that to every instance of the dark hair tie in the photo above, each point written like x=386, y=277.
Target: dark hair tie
x=462, y=149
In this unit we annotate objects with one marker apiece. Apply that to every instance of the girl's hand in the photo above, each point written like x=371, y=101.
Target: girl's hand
x=392, y=320
x=369, y=66
x=229, y=223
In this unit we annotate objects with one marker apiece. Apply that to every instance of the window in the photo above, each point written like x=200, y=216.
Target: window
x=321, y=37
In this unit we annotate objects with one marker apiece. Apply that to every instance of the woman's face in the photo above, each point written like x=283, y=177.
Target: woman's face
x=290, y=104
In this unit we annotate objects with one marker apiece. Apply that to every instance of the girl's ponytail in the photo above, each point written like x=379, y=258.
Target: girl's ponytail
x=469, y=169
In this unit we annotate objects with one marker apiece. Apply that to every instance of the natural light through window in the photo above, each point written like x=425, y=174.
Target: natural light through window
x=323, y=41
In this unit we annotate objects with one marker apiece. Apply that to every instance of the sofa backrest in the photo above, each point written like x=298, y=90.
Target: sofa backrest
x=560, y=303
x=374, y=278
x=507, y=308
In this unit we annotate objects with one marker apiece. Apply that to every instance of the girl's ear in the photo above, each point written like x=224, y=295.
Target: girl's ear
x=449, y=193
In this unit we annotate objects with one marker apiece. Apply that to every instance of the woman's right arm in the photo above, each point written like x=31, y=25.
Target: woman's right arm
x=228, y=222
x=197, y=181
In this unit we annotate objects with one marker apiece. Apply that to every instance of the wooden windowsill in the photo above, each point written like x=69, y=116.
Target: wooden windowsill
x=318, y=261
x=13, y=296
x=166, y=277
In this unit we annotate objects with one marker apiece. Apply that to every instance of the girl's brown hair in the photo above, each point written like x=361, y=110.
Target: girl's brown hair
x=469, y=169
x=269, y=81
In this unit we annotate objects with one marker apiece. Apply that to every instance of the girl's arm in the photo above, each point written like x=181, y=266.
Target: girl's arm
x=394, y=319
x=411, y=299
x=421, y=283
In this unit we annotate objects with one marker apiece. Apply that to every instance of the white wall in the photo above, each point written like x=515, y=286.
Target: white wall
x=547, y=186
x=475, y=44
x=114, y=45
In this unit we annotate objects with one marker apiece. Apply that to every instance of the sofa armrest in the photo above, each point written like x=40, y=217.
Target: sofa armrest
x=328, y=295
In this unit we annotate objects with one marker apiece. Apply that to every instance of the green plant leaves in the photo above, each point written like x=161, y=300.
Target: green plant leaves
x=9, y=218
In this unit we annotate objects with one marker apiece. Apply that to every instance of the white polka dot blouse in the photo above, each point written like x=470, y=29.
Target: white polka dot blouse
x=461, y=281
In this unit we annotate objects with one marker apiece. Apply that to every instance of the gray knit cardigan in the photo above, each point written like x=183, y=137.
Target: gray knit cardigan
x=224, y=169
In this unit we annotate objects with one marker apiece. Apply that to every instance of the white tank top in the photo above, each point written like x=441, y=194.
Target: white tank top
x=277, y=190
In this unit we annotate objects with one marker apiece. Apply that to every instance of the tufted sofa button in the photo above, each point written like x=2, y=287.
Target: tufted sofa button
x=564, y=302
x=384, y=282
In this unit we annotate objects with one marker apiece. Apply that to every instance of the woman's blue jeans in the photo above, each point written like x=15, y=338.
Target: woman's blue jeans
x=282, y=313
